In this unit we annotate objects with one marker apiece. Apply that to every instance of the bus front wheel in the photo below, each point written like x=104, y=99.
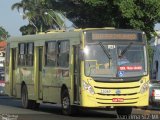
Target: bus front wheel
x=124, y=111
x=67, y=108
x=34, y=104
x=65, y=101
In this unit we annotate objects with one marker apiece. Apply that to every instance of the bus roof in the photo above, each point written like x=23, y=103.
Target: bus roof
x=57, y=34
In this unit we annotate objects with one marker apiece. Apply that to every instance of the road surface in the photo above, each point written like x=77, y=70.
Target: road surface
x=11, y=108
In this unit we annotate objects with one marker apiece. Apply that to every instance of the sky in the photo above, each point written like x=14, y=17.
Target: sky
x=157, y=26
x=11, y=20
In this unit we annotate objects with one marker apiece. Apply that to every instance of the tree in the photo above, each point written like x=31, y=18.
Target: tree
x=27, y=30
x=131, y=14
x=34, y=11
x=31, y=13
x=136, y=14
x=3, y=34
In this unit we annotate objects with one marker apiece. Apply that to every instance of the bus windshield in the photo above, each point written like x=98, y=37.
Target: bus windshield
x=124, y=61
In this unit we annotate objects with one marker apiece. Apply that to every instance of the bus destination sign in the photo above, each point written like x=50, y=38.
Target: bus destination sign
x=114, y=36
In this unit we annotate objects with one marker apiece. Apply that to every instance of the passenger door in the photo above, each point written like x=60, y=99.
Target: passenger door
x=50, y=93
x=40, y=65
x=76, y=73
x=14, y=65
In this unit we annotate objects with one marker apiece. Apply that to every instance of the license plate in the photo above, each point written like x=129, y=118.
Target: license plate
x=157, y=94
x=117, y=100
x=157, y=98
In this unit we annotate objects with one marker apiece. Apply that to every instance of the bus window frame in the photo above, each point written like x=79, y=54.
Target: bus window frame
x=59, y=52
x=45, y=53
x=19, y=54
x=30, y=54
x=7, y=55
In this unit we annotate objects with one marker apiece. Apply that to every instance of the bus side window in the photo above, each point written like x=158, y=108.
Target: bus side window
x=63, y=54
x=50, y=54
x=21, y=54
x=30, y=54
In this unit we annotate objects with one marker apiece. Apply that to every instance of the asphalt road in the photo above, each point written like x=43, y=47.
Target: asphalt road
x=11, y=108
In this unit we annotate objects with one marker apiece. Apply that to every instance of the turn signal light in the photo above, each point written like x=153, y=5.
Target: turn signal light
x=153, y=93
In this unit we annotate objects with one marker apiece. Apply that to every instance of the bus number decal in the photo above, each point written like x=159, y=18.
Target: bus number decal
x=105, y=91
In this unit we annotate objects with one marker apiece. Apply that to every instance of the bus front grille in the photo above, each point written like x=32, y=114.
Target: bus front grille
x=116, y=87
x=124, y=99
x=117, y=94
x=118, y=103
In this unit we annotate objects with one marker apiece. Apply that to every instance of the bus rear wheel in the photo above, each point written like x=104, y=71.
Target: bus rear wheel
x=24, y=98
x=124, y=111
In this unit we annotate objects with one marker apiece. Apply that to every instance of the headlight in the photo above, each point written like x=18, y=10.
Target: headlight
x=86, y=50
x=144, y=87
x=150, y=85
x=85, y=85
x=88, y=87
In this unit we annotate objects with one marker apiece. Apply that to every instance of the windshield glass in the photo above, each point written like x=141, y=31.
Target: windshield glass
x=97, y=63
x=130, y=62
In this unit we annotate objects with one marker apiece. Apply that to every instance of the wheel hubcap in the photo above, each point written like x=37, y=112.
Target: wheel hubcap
x=65, y=103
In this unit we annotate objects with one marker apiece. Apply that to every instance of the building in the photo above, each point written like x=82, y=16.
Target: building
x=155, y=66
x=155, y=40
x=2, y=52
x=2, y=59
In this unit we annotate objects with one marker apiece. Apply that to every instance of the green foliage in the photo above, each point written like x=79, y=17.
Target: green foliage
x=34, y=11
x=3, y=34
x=131, y=14
x=140, y=14
x=28, y=30
x=95, y=2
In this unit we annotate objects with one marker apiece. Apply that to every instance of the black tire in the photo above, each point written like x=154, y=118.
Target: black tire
x=24, y=98
x=145, y=108
x=121, y=111
x=34, y=104
x=67, y=109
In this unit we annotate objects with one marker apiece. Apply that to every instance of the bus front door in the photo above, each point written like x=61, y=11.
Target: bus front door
x=13, y=82
x=40, y=58
x=76, y=74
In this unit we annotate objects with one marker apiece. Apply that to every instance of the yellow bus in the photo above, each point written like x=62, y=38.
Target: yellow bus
x=88, y=68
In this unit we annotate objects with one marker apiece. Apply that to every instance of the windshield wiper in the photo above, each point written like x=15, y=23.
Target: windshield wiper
x=106, y=52
x=125, y=49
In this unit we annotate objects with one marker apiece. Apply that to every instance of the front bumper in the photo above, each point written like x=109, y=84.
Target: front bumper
x=153, y=101
x=102, y=101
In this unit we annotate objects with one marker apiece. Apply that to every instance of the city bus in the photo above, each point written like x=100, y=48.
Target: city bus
x=96, y=68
